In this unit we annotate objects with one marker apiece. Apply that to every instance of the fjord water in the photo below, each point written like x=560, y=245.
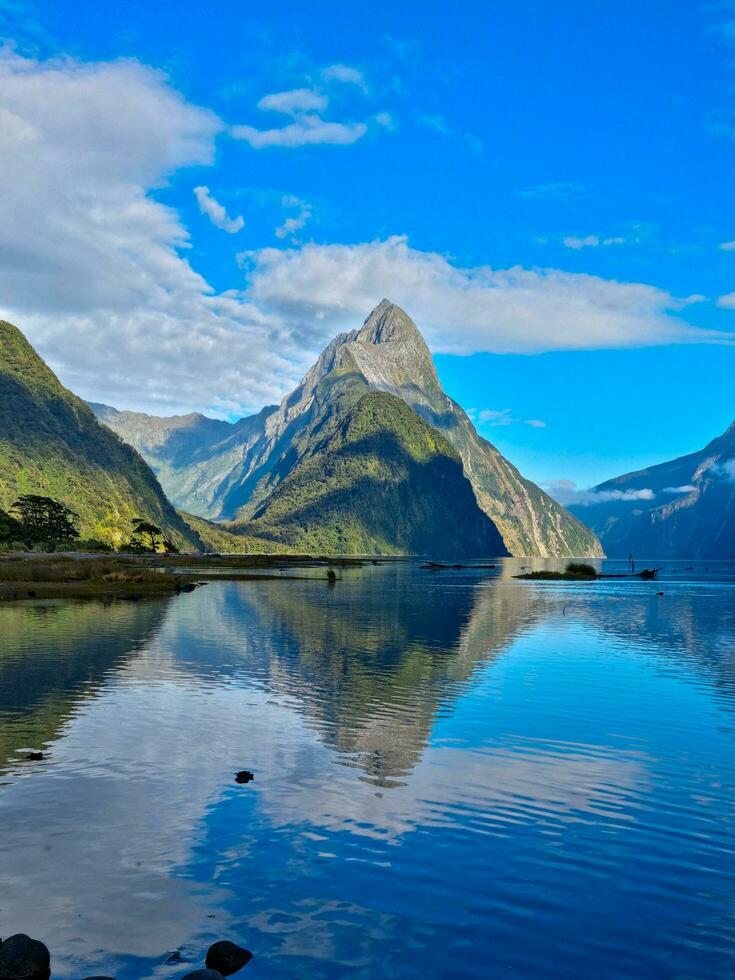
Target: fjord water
x=457, y=774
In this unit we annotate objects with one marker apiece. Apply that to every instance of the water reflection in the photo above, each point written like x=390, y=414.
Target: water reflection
x=439, y=760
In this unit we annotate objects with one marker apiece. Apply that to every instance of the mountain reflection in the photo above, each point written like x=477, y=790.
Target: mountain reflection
x=53, y=655
x=368, y=713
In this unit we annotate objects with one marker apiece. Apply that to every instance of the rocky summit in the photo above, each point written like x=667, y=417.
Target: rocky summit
x=262, y=473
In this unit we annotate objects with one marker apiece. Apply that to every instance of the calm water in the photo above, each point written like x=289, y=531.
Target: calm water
x=457, y=775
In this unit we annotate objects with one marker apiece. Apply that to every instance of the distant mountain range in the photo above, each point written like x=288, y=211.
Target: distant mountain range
x=366, y=454
x=684, y=508
x=52, y=444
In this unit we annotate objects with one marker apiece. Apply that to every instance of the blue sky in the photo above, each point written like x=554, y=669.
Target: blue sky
x=545, y=187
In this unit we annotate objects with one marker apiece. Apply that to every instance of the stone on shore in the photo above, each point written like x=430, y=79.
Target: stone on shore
x=23, y=958
x=227, y=957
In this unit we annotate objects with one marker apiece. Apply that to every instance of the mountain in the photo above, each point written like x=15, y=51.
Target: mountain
x=52, y=444
x=238, y=469
x=684, y=508
x=196, y=458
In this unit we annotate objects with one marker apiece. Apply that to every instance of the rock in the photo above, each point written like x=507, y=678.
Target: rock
x=244, y=776
x=23, y=958
x=187, y=587
x=174, y=957
x=227, y=957
x=203, y=975
x=34, y=756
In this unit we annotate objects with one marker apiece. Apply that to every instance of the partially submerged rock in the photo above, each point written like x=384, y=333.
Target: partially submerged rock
x=244, y=776
x=23, y=958
x=227, y=957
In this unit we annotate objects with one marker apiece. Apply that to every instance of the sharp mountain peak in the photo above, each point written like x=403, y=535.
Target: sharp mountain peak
x=388, y=322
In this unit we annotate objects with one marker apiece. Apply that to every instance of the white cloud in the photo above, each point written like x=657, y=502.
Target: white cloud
x=308, y=130
x=568, y=494
x=345, y=74
x=295, y=223
x=591, y=241
x=90, y=263
x=687, y=488
x=439, y=124
x=386, y=120
x=725, y=470
x=308, y=127
x=93, y=268
x=727, y=302
x=464, y=310
x=216, y=212
x=727, y=246
x=294, y=101
x=503, y=416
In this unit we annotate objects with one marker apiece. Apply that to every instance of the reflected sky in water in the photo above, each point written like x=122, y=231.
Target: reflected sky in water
x=457, y=774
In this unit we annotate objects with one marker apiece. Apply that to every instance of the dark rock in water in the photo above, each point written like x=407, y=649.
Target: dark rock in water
x=23, y=958
x=203, y=975
x=34, y=756
x=174, y=957
x=187, y=587
x=244, y=776
x=227, y=957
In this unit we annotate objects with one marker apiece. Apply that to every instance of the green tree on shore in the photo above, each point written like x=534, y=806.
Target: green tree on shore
x=151, y=533
x=44, y=520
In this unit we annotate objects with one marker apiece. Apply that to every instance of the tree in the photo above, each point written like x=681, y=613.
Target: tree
x=45, y=520
x=144, y=529
x=10, y=529
x=169, y=547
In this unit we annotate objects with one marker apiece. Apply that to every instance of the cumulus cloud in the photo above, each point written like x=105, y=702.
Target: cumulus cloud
x=294, y=224
x=216, y=212
x=727, y=246
x=294, y=101
x=463, y=310
x=567, y=493
x=727, y=302
x=93, y=268
x=90, y=263
x=345, y=74
x=591, y=241
x=308, y=126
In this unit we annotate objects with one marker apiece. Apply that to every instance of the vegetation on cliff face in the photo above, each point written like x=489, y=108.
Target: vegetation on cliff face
x=51, y=444
x=376, y=480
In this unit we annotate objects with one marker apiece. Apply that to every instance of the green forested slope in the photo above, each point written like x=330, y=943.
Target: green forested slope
x=376, y=479
x=52, y=444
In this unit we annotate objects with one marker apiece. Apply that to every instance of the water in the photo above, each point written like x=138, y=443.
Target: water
x=457, y=775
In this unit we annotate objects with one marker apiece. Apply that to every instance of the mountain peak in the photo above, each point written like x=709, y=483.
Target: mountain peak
x=388, y=322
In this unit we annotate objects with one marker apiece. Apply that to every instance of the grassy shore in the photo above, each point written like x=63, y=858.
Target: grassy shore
x=57, y=576
x=26, y=576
